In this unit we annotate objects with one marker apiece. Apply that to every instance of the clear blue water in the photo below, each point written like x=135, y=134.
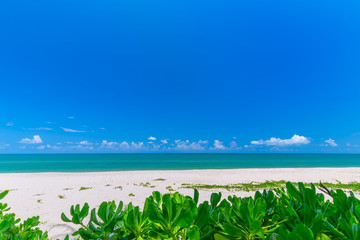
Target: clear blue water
x=115, y=162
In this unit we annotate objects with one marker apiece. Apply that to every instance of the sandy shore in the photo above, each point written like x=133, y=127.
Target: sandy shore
x=49, y=194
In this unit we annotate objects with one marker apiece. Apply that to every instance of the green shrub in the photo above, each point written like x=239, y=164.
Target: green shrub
x=280, y=214
x=11, y=228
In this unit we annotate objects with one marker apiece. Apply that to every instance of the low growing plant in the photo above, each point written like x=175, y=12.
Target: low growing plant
x=288, y=213
x=11, y=228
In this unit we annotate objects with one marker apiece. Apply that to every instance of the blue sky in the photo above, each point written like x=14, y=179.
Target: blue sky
x=179, y=76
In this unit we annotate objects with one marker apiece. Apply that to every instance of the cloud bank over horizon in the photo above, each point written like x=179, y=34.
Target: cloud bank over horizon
x=151, y=144
x=72, y=140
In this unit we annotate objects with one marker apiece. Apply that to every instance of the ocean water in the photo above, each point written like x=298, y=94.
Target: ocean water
x=123, y=162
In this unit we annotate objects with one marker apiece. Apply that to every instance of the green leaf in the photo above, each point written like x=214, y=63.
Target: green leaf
x=86, y=234
x=72, y=210
x=4, y=224
x=154, y=213
x=304, y=232
x=357, y=211
x=75, y=219
x=193, y=233
x=233, y=231
x=215, y=199
x=93, y=217
x=345, y=226
x=64, y=218
x=244, y=212
x=333, y=230
x=3, y=194
x=259, y=209
x=196, y=195
x=255, y=227
x=203, y=215
x=157, y=197
x=186, y=218
x=120, y=206
x=292, y=191
x=102, y=212
x=84, y=211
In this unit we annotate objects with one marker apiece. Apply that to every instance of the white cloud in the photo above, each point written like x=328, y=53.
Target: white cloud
x=135, y=146
x=294, y=140
x=71, y=117
x=71, y=130
x=122, y=146
x=85, y=142
x=165, y=141
x=331, y=142
x=152, y=138
x=234, y=145
x=41, y=147
x=102, y=128
x=218, y=145
x=187, y=145
x=107, y=144
x=35, y=140
x=9, y=124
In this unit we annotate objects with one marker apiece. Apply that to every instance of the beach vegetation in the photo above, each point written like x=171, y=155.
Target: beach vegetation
x=12, y=228
x=270, y=185
x=296, y=211
x=160, y=179
x=292, y=212
x=118, y=187
x=67, y=189
x=170, y=189
x=147, y=184
x=61, y=196
x=84, y=188
x=131, y=195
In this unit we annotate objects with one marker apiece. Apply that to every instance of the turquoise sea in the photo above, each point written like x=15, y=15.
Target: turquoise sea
x=113, y=162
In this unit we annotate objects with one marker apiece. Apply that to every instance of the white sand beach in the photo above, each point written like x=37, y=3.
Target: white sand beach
x=49, y=194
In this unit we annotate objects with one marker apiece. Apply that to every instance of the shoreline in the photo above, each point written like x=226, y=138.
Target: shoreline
x=177, y=170
x=48, y=194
